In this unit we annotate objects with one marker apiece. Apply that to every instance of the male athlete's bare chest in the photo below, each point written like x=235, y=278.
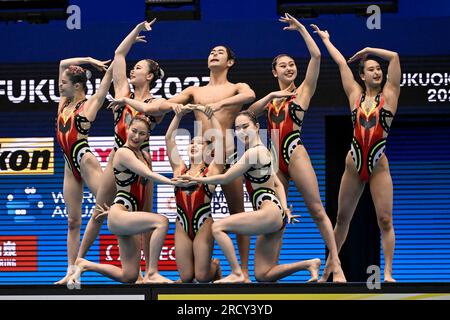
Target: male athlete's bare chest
x=205, y=95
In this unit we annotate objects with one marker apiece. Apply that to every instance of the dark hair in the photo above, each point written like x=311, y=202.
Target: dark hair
x=249, y=114
x=275, y=60
x=142, y=118
x=78, y=74
x=230, y=53
x=155, y=69
x=362, y=63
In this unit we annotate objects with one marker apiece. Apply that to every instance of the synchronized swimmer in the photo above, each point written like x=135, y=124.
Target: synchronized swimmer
x=124, y=190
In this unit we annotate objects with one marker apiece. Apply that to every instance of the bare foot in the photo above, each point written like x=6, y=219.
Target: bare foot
x=156, y=278
x=232, y=278
x=335, y=269
x=388, y=278
x=75, y=279
x=140, y=279
x=338, y=275
x=178, y=281
x=325, y=275
x=218, y=274
x=63, y=281
x=246, y=276
x=314, y=269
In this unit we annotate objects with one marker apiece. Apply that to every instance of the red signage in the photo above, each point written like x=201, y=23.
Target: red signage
x=109, y=253
x=18, y=253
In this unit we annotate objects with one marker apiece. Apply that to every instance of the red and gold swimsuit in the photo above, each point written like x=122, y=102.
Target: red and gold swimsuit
x=72, y=133
x=122, y=119
x=193, y=205
x=285, y=119
x=370, y=131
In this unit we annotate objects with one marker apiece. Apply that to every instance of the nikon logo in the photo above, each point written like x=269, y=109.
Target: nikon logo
x=26, y=156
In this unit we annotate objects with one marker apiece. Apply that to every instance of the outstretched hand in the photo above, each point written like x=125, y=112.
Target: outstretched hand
x=186, y=177
x=323, y=34
x=290, y=217
x=146, y=25
x=101, y=212
x=100, y=65
x=183, y=183
x=116, y=104
x=140, y=39
x=294, y=24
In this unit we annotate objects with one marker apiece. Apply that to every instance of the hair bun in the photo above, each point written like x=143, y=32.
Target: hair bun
x=161, y=73
x=88, y=74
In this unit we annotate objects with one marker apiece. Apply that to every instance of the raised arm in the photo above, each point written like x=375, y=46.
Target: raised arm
x=260, y=106
x=121, y=87
x=351, y=87
x=64, y=64
x=95, y=102
x=391, y=89
x=244, y=94
x=127, y=159
x=308, y=86
x=172, y=150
